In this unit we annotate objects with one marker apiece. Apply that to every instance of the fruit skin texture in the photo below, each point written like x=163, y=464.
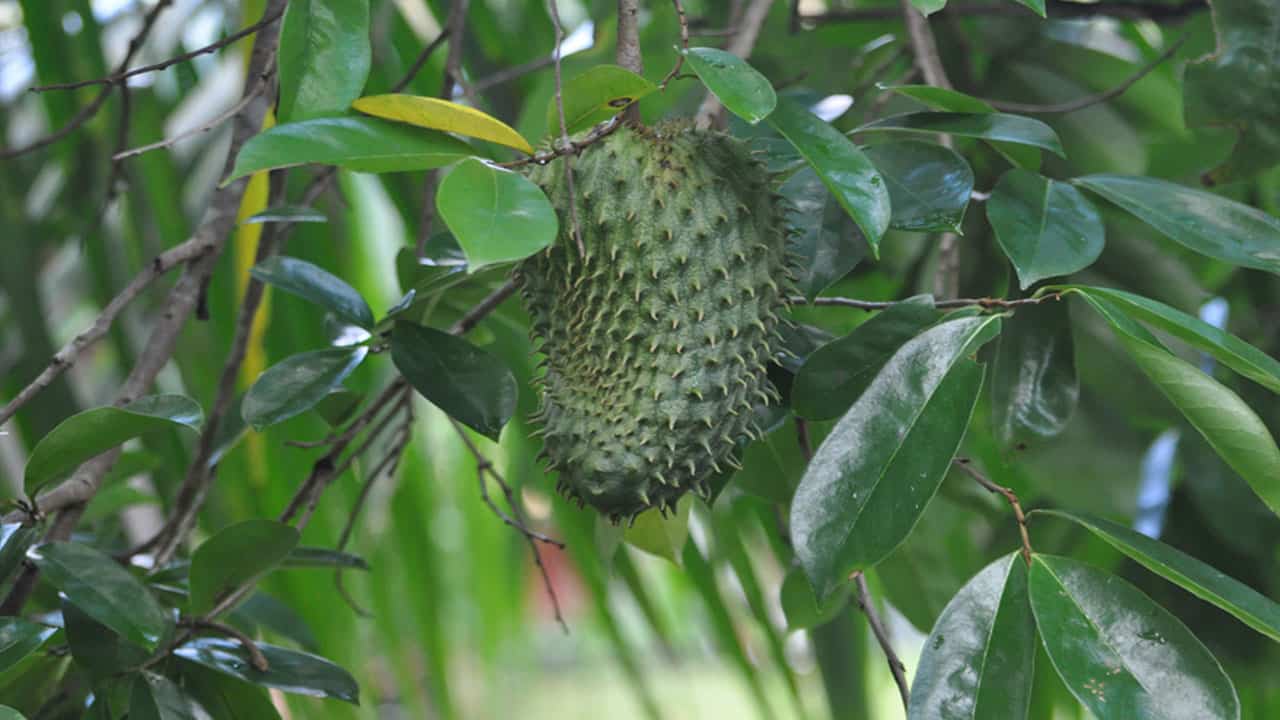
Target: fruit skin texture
x=658, y=336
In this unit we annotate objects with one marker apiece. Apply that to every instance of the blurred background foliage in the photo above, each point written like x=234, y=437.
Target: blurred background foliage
x=458, y=624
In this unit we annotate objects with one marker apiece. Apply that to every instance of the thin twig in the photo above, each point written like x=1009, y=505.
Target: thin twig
x=506, y=75
x=122, y=76
x=711, y=112
x=865, y=602
x=1010, y=496
x=258, y=88
x=802, y=438
x=483, y=308
x=455, y=26
x=952, y=304
x=256, y=658
x=684, y=45
x=421, y=60
x=484, y=467
x=1094, y=99
x=599, y=132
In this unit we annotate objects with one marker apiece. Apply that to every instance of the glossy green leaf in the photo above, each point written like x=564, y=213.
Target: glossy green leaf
x=156, y=697
x=1237, y=84
x=1120, y=654
x=225, y=697
x=872, y=477
x=1024, y=156
x=1232, y=428
x=1209, y=224
x=836, y=374
x=291, y=671
x=841, y=166
x=1223, y=346
x=986, y=126
x=93, y=432
x=287, y=214
x=828, y=245
x=929, y=185
x=301, y=557
x=739, y=87
x=1045, y=227
x=928, y=7
x=1034, y=385
x=595, y=96
x=979, y=660
x=297, y=383
x=437, y=114
x=8, y=713
x=19, y=638
x=317, y=285
x=660, y=534
x=324, y=57
x=467, y=383
x=104, y=590
x=362, y=144
x=801, y=606
x=495, y=214
x=1251, y=607
x=235, y=556
x=14, y=541
x=97, y=649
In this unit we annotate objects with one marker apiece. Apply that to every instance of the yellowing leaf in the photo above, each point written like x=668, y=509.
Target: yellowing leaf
x=442, y=115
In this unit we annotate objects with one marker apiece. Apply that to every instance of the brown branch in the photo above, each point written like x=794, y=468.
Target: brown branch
x=711, y=112
x=91, y=110
x=210, y=236
x=684, y=45
x=120, y=77
x=512, y=73
x=863, y=596
x=953, y=304
x=258, y=88
x=599, y=132
x=419, y=62
x=455, y=25
x=483, y=308
x=1094, y=99
x=1010, y=497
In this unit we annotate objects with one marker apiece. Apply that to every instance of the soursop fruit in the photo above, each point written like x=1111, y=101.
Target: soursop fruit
x=658, y=333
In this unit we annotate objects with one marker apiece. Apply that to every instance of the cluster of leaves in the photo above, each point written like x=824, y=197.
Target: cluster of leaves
x=894, y=402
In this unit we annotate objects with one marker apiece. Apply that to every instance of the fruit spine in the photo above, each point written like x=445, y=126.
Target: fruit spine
x=657, y=335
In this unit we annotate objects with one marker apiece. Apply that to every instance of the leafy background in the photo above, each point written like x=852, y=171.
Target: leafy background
x=665, y=621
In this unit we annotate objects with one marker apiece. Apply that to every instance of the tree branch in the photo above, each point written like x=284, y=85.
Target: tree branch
x=865, y=602
x=1010, y=497
x=711, y=112
x=684, y=45
x=952, y=304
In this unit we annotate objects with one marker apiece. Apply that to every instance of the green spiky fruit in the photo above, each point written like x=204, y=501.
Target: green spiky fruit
x=658, y=330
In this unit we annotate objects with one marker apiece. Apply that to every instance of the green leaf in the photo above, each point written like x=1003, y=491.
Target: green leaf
x=1037, y=6
x=14, y=541
x=1034, y=386
x=1023, y=156
x=928, y=7
x=289, y=670
x=301, y=557
x=658, y=534
x=338, y=406
x=297, y=383
x=1203, y=222
x=437, y=114
x=829, y=245
x=740, y=87
x=96, y=648
x=836, y=374
x=929, y=185
x=874, y=474
x=19, y=638
x=595, y=96
x=801, y=606
x=104, y=590
x=235, y=556
x=8, y=713
x=316, y=285
x=467, y=383
x=986, y=126
x=93, y=432
x=1223, y=346
x=1045, y=227
x=156, y=697
x=978, y=662
x=1248, y=605
x=287, y=214
x=1231, y=427
x=324, y=57
x=1120, y=654
x=224, y=697
x=362, y=144
x=842, y=167
x=495, y=214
